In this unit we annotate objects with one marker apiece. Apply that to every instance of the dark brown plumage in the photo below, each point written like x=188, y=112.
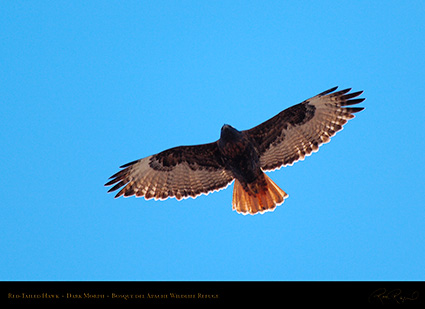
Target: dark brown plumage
x=243, y=156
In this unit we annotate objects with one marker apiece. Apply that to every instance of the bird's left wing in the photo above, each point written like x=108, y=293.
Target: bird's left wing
x=180, y=172
x=299, y=130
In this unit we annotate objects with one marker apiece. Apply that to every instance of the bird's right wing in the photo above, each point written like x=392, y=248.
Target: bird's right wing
x=180, y=172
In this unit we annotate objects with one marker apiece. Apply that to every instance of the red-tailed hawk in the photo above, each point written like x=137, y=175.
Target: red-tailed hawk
x=242, y=156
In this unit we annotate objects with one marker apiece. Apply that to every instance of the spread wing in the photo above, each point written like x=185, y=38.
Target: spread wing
x=177, y=172
x=299, y=130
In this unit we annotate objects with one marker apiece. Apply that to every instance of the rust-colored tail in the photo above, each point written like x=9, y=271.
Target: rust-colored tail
x=260, y=196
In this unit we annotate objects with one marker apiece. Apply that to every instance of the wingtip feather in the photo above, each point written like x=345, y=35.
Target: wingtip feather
x=328, y=91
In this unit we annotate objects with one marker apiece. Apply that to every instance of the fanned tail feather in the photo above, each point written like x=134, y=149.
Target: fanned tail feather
x=262, y=196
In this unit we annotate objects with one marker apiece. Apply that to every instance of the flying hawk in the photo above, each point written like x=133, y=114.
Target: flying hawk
x=241, y=156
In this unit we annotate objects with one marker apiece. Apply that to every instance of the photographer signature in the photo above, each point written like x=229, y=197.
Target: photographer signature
x=394, y=296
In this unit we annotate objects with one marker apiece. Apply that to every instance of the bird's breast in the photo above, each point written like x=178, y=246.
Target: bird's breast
x=241, y=157
x=233, y=149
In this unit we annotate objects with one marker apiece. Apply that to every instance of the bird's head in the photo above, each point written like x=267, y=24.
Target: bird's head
x=229, y=133
x=226, y=127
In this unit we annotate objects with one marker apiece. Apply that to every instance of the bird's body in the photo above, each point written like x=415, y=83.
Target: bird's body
x=251, y=191
x=241, y=156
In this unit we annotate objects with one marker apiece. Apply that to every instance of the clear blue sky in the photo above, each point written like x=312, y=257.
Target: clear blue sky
x=86, y=86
